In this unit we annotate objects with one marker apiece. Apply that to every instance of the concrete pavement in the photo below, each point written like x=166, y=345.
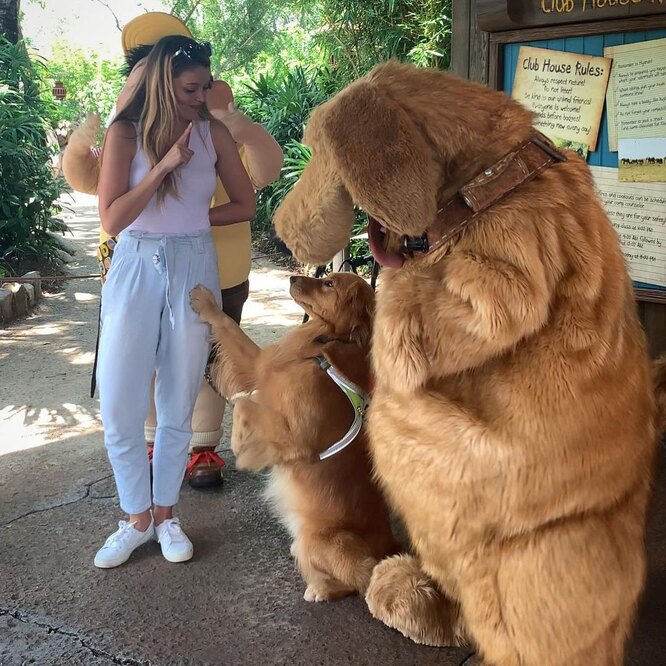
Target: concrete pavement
x=239, y=601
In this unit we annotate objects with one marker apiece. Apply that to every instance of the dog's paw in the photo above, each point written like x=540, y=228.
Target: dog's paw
x=327, y=589
x=202, y=301
x=251, y=454
x=253, y=458
x=404, y=598
x=252, y=451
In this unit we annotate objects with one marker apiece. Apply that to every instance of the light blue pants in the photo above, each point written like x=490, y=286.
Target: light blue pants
x=148, y=325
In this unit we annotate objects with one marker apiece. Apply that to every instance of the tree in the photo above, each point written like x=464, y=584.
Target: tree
x=92, y=82
x=240, y=30
x=9, y=20
x=28, y=189
x=357, y=34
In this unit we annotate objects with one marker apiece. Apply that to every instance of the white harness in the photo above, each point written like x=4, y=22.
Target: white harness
x=358, y=399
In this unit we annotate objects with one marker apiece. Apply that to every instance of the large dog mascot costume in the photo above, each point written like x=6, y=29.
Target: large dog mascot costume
x=262, y=157
x=513, y=423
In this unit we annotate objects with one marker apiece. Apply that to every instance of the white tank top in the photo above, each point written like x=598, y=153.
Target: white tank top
x=195, y=183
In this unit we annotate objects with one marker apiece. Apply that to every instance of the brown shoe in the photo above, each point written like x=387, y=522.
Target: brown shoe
x=204, y=470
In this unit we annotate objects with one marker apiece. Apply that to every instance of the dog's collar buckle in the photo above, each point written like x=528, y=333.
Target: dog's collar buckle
x=415, y=244
x=241, y=395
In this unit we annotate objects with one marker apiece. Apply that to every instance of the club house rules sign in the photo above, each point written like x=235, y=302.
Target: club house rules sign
x=565, y=90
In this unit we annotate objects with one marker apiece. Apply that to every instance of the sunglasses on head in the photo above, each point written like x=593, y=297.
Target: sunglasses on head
x=195, y=50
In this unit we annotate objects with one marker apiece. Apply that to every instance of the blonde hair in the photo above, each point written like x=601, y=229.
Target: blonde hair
x=153, y=103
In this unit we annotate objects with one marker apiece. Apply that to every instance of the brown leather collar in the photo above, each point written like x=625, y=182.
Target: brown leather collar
x=492, y=185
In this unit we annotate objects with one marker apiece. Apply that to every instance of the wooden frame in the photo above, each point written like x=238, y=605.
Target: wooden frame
x=494, y=16
x=498, y=39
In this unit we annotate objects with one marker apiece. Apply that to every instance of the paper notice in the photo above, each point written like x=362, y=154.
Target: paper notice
x=565, y=90
x=636, y=95
x=638, y=213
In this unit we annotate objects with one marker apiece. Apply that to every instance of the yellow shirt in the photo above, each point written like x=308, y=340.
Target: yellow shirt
x=233, y=243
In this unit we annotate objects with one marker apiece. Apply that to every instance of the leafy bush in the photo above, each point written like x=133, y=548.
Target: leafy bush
x=28, y=188
x=282, y=103
x=355, y=35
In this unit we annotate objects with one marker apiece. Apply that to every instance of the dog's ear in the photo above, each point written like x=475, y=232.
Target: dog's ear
x=382, y=157
x=361, y=311
x=315, y=218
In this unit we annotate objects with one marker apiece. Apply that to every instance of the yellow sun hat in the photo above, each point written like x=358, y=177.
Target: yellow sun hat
x=149, y=28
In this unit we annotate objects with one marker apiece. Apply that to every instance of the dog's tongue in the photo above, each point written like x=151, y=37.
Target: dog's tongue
x=376, y=239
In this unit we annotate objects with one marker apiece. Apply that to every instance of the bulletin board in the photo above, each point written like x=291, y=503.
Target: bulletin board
x=589, y=31
x=638, y=210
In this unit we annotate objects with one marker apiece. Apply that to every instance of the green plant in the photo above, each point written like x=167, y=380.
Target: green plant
x=28, y=188
x=92, y=84
x=355, y=35
x=282, y=103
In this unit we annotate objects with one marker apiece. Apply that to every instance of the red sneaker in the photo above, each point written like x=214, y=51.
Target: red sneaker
x=204, y=470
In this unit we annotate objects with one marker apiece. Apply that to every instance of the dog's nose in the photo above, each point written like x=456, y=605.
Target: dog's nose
x=293, y=278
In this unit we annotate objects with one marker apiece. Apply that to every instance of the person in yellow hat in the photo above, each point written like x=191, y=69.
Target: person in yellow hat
x=262, y=158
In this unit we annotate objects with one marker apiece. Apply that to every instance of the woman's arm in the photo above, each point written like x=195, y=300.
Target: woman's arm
x=242, y=204
x=119, y=205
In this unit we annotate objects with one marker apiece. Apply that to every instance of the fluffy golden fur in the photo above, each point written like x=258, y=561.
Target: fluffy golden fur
x=335, y=512
x=80, y=167
x=513, y=421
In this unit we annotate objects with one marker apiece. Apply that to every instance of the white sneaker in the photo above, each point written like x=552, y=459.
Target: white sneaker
x=121, y=544
x=176, y=547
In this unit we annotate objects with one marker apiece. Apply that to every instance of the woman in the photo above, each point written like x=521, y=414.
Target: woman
x=262, y=158
x=161, y=156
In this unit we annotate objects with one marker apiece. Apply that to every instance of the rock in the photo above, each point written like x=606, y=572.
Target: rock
x=6, y=305
x=64, y=244
x=37, y=284
x=65, y=257
x=31, y=293
x=21, y=300
x=58, y=266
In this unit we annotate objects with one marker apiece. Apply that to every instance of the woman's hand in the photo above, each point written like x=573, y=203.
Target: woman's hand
x=179, y=154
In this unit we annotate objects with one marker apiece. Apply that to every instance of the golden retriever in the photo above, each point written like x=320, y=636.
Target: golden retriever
x=512, y=378
x=291, y=411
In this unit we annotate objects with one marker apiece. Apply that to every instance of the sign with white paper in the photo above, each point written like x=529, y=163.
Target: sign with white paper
x=636, y=96
x=638, y=213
